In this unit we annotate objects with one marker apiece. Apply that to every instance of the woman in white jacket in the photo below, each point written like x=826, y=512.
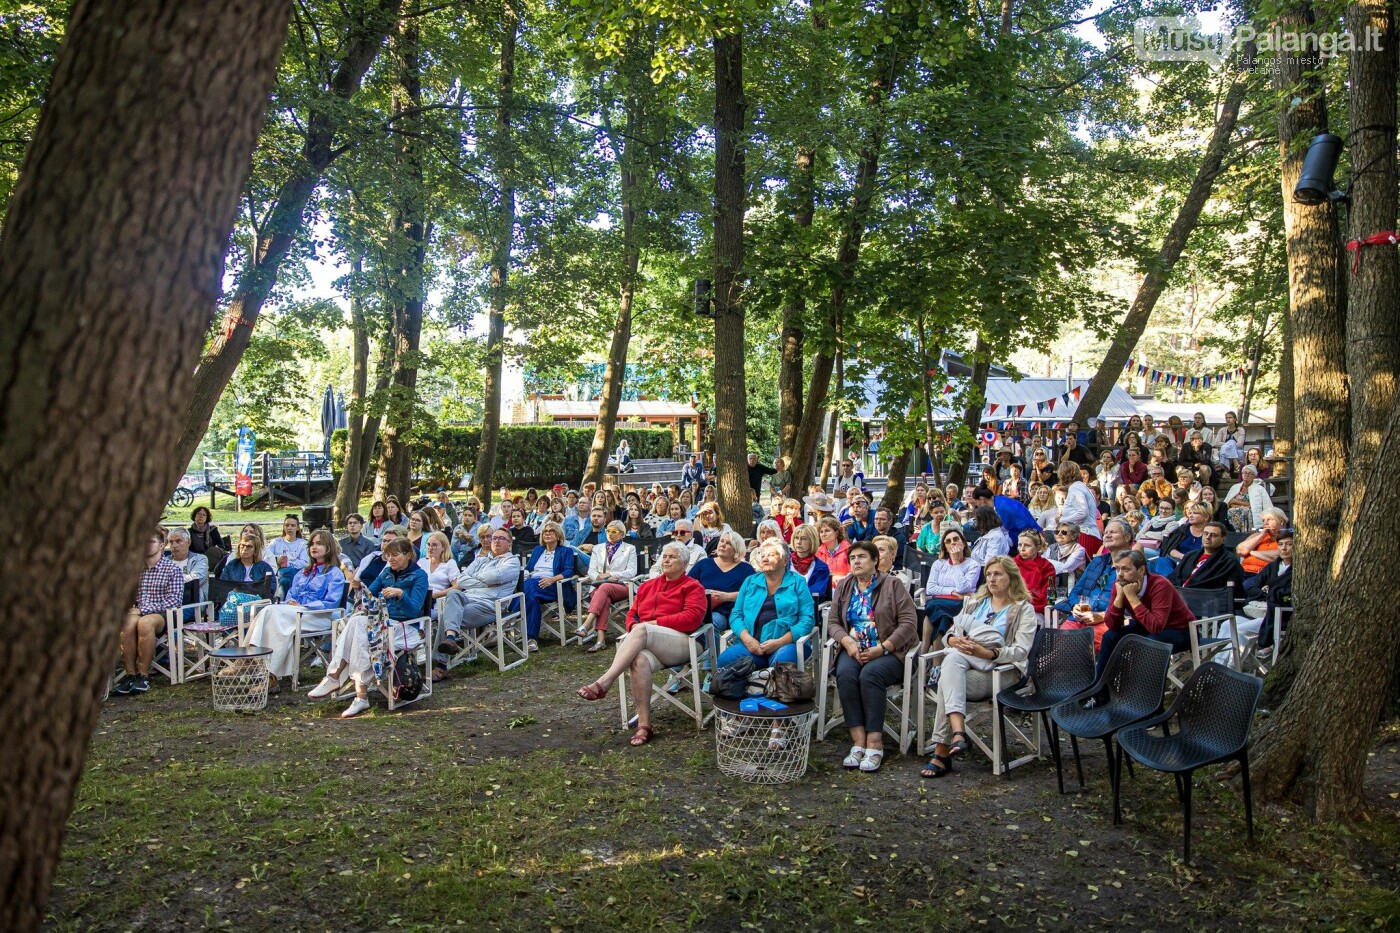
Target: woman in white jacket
x=1080, y=508
x=611, y=567
x=1247, y=500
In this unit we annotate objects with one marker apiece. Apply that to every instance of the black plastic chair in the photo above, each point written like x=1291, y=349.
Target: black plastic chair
x=1206, y=603
x=1060, y=666
x=1129, y=691
x=1213, y=714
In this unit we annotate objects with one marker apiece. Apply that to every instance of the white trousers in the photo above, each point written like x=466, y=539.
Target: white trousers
x=352, y=647
x=275, y=627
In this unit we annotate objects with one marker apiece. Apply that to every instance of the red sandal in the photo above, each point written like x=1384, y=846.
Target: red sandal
x=593, y=691
x=642, y=736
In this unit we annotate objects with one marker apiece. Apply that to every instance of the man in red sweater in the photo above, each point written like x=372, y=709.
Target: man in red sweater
x=1143, y=604
x=665, y=612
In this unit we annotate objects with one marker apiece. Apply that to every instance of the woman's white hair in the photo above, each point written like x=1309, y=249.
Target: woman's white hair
x=737, y=540
x=675, y=547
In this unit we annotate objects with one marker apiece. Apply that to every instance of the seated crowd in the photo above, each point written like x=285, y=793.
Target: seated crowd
x=1103, y=539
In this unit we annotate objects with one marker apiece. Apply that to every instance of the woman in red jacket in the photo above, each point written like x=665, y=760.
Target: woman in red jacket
x=666, y=611
x=1038, y=572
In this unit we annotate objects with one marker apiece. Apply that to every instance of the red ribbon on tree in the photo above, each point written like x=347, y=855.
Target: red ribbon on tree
x=1384, y=238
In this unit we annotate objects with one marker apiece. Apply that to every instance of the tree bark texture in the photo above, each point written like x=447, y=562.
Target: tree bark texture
x=110, y=262
x=1283, y=408
x=347, y=491
x=1173, y=245
x=847, y=255
x=409, y=249
x=731, y=400
x=790, y=366
x=1313, y=750
x=804, y=451
x=615, y=372
x=285, y=224
x=1322, y=402
x=1373, y=293
x=972, y=416
x=1315, y=747
x=829, y=449
x=500, y=263
x=383, y=373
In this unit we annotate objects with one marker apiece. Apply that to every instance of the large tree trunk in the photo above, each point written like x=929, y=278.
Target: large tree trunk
x=972, y=416
x=347, y=491
x=110, y=260
x=833, y=426
x=1373, y=295
x=1283, y=408
x=804, y=450
x=1313, y=750
x=790, y=366
x=1315, y=747
x=409, y=237
x=500, y=262
x=1321, y=400
x=374, y=414
x=284, y=226
x=731, y=407
x=1158, y=274
x=615, y=372
x=847, y=255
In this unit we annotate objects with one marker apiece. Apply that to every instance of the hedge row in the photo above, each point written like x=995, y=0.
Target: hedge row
x=526, y=455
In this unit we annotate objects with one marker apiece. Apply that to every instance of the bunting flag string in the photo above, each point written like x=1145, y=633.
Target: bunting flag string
x=1156, y=376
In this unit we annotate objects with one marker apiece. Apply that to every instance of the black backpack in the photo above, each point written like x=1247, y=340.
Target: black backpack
x=408, y=679
x=732, y=680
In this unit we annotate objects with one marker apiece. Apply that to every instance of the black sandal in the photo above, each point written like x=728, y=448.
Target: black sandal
x=959, y=746
x=938, y=766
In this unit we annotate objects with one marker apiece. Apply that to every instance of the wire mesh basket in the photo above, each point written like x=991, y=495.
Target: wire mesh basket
x=240, y=684
x=763, y=750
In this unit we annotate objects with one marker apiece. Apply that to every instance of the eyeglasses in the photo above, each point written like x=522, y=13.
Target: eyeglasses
x=505, y=538
x=679, y=531
x=1060, y=531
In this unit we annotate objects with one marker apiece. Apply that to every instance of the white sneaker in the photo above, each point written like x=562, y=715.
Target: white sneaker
x=533, y=646
x=327, y=687
x=854, y=759
x=360, y=705
x=871, y=762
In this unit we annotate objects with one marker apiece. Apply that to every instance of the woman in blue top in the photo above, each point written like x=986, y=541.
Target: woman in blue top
x=315, y=591
x=772, y=610
x=674, y=513
x=404, y=588
x=721, y=576
x=247, y=565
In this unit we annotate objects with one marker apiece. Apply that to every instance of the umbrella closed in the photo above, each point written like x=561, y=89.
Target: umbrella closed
x=328, y=417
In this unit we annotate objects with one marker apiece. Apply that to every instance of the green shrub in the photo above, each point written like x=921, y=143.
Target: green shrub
x=526, y=455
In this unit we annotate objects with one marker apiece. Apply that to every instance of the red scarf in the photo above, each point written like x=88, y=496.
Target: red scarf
x=803, y=564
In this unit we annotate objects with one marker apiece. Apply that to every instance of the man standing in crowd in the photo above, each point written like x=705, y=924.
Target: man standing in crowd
x=756, y=472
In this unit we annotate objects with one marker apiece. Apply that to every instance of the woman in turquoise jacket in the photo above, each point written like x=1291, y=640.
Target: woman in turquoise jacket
x=773, y=610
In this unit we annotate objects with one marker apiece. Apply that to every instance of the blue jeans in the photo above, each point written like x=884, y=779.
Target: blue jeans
x=720, y=620
x=1178, y=638
x=535, y=598
x=787, y=654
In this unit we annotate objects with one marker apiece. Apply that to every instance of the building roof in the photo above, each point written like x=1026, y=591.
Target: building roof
x=1006, y=394
x=568, y=410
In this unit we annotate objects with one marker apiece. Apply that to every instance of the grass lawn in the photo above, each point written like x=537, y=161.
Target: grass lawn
x=505, y=802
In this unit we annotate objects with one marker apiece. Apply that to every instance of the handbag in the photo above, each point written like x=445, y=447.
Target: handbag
x=408, y=679
x=732, y=681
x=228, y=615
x=787, y=684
